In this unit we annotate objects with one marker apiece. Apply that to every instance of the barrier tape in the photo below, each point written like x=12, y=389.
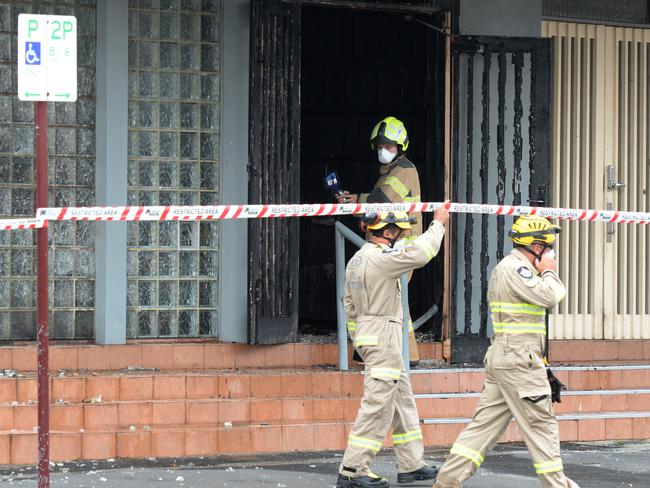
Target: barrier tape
x=17, y=224
x=219, y=212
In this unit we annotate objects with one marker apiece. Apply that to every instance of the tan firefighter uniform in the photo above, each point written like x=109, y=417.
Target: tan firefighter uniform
x=516, y=383
x=399, y=182
x=373, y=309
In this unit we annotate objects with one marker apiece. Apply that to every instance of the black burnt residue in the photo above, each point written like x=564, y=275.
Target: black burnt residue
x=485, y=156
x=517, y=60
x=469, y=220
x=501, y=160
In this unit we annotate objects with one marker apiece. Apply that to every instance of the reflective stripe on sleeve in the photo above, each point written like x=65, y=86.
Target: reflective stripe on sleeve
x=352, y=325
x=415, y=198
x=397, y=185
x=426, y=247
x=364, y=443
x=410, y=436
x=466, y=452
x=548, y=467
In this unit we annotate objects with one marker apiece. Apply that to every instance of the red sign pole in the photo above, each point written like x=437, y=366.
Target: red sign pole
x=42, y=274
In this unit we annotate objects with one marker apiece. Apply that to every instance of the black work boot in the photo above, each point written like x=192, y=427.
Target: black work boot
x=372, y=481
x=425, y=473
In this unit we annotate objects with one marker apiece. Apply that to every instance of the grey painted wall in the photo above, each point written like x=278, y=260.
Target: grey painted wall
x=111, y=169
x=501, y=17
x=233, y=235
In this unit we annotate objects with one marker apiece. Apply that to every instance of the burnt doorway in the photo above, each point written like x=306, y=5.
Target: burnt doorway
x=357, y=67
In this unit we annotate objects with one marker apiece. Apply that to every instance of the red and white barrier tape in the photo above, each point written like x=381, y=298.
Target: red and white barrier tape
x=17, y=224
x=217, y=212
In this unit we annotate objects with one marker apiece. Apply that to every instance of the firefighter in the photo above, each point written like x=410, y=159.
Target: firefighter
x=522, y=286
x=398, y=182
x=374, y=315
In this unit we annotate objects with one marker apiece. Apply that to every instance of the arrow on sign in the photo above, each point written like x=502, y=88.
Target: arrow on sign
x=63, y=95
x=27, y=94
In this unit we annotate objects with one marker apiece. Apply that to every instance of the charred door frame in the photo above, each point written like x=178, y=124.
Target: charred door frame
x=467, y=347
x=274, y=170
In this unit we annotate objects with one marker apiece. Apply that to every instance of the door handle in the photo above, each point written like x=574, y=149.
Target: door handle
x=612, y=181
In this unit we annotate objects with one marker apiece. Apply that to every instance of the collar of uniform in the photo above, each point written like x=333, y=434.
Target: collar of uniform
x=522, y=257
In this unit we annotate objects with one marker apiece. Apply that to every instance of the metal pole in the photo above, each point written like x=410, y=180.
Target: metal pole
x=339, y=245
x=42, y=273
x=404, y=284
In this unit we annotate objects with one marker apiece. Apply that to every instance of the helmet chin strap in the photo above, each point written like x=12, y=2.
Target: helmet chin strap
x=538, y=256
x=391, y=242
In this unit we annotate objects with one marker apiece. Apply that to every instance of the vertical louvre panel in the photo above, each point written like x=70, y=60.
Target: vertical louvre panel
x=600, y=118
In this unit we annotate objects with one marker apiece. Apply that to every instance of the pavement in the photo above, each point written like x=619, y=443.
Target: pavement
x=591, y=465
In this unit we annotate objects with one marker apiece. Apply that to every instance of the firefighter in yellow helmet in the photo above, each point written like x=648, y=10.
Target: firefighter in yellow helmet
x=522, y=286
x=398, y=182
x=373, y=309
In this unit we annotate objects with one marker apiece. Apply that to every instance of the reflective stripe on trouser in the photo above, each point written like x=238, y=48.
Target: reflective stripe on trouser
x=504, y=395
x=387, y=402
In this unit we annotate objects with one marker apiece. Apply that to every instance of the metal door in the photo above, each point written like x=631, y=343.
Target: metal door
x=600, y=138
x=501, y=94
x=274, y=170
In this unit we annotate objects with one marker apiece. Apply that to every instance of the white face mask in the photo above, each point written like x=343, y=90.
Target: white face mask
x=385, y=156
x=551, y=253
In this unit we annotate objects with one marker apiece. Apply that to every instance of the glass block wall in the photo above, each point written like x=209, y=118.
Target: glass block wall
x=173, y=160
x=71, y=147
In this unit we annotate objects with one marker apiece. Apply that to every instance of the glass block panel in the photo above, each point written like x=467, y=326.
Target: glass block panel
x=208, y=146
x=188, y=234
x=147, y=263
x=207, y=322
x=5, y=139
x=23, y=325
x=22, y=263
x=187, y=322
x=132, y=256
x=85, y=172
x=208, y=176
x=5, y=107
x=168, y=323
x=209, y=198
x=84, y=324
x=146, y=323
x=63, y=262
x=168, y=294
x=169, y=4
x=86, y=142
x=189, y=198
x=208, y=262
x=4, y=262
x=168, y=145
x=147, y=295
x=148, y=114
x=168, y=198
x=62, y=326
x=21, y=202
x=147, y=25
x=207, y=293
x=84, y=197
x=132, y=172
x=190, y=57
x=147, y=143
x=85, y=111
x=168, y=175
x=190, y=86
x=209, y=28
x=62, y=234
x=5, y=169
x=147, y=84
x=210, y=87
x=22, y=294
x=169, y=25
x=148, y=198
x=148, y=55
x=169, y=118
x=131, y=323
x=190, y=27
x=168, y=234
x=189, y=115
x=147, y=234
x=5, y=201
x=167, y=265
x=85, y=263
x=23, y=171
x=189, y=149
x=85, y=232
x=24, y=140
x=188, y=263
x=85, y=293
x=132, y=293
x=63, y=293
x=209, y=57
x=208, y=234
x=209, y=117
x=148, y=174
x=4, y=293
x=23, y=111
x=66, y=113
x=169, y=55
x=5, y=78
x=169, y=87
x=64, y=171
x=187, y=291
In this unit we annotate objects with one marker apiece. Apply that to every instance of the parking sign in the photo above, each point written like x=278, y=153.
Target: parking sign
x=47, y=58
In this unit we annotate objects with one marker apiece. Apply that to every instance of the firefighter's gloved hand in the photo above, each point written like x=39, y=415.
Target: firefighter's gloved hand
x=556, y=386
